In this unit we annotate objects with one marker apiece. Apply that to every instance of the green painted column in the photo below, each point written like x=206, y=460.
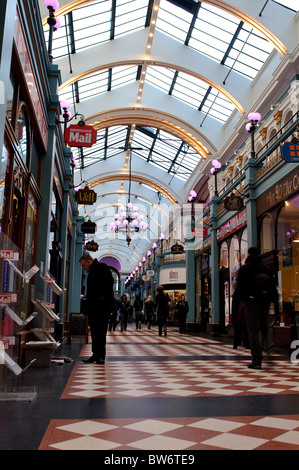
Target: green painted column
x=249, y=188
x=190, y=284
x=214, y=263
x=64, y=222
x=46, y=186
x=158, y=264
x=75, y=268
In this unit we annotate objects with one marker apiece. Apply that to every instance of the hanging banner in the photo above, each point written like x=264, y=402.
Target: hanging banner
x=86, y=196
x=80, y=136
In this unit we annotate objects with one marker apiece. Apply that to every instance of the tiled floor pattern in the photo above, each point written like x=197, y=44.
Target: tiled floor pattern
x=175, y=434
x=148, y=343
x=142, y=365
x=181, y=379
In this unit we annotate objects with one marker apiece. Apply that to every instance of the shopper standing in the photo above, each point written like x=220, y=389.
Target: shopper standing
x=138, y=311
x=149, y=311
x=162, y=309
x=182, y=309
x=123, y=308
x=256, y=287
x=99, y=301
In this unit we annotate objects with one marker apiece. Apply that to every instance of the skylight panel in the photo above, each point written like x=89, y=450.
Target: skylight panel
x=92, y=24
x=159, y=77
x=130, y=16
x=173, y=21
x=123, y=75
x=212, y=35
x=292, y=5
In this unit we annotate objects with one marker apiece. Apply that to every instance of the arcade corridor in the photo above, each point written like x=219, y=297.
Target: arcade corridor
x=180, y=393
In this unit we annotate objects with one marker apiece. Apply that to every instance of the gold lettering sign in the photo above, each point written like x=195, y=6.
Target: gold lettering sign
x=86, y=196
x=281, y=191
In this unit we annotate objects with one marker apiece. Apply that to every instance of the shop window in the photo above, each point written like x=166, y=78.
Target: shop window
x=223, y=262
x=35, y=161
x=55, y=237
x=234, y=260
x=266, y=234
x=234, y=266
x=10, y=107
x=224, y=284
x=243, y=246
x=288, y=257
x=22, y=133
x=4, y=167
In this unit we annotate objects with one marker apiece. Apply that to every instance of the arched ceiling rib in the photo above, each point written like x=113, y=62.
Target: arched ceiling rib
x=143, y=113
x=145, y=63
x=140, y=180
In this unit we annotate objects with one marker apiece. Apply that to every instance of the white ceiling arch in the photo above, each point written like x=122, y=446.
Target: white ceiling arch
x=165, y=115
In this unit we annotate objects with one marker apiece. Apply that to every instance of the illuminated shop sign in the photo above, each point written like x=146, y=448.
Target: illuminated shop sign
x=232, y=225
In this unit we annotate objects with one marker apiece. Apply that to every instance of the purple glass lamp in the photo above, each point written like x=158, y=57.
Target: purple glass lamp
x=216, y=167
x=254, y=118
x=53, y=22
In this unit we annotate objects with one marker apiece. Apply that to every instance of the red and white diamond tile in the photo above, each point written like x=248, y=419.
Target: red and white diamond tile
x=230, y=433
x=184, y=378
x=142, y=365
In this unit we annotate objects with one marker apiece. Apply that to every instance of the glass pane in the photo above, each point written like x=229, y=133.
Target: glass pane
x=21, y=134
x=266, y=236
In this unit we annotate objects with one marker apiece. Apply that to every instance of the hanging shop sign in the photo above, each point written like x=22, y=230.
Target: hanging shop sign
x=80, y=136
x=88, y=227
x=233, y=203
x=290, y=152
x=86, y=196
x=92, y=246
x=176, y=248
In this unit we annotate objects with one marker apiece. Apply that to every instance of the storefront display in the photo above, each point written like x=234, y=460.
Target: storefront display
x=288, y=257
x=232, y=253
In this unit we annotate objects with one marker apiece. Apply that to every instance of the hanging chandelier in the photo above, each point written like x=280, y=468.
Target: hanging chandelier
x=128, y=220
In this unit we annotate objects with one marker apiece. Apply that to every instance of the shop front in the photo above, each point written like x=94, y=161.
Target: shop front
x=232, y=245
x=173, y=279
x=278, y=222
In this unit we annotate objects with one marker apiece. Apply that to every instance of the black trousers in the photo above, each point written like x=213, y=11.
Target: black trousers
x=256, y=321
x=98, y=329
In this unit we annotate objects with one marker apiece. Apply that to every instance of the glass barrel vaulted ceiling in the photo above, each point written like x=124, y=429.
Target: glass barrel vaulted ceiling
x=221, y=36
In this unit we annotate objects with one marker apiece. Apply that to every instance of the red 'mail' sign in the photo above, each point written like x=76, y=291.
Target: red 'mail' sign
x=80, y=136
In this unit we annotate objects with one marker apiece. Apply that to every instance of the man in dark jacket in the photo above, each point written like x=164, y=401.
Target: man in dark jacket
x=98, y=304
x=256, y=288
x=162, y=309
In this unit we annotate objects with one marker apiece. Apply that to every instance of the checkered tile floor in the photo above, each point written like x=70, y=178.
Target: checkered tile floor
x=143, y=366
x=180, y=379
x=258, y=433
